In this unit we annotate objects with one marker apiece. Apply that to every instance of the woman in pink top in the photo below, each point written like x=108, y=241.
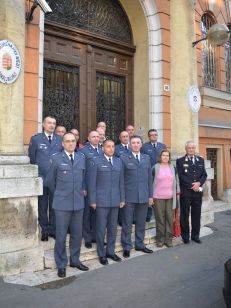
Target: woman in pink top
x=164, y=195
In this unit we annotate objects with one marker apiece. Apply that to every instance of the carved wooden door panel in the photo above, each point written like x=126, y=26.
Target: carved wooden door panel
x=88, y=71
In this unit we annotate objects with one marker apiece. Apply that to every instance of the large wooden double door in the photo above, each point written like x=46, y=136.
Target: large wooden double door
x=87, y=80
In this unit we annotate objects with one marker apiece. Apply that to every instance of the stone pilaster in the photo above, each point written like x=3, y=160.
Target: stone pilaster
x=19, y=181
x=184, y=123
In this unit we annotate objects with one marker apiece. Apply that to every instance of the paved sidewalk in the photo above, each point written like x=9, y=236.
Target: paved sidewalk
x=184, y=276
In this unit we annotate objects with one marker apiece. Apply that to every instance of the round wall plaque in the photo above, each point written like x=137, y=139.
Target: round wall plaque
x=194, y=98
x=10, y=62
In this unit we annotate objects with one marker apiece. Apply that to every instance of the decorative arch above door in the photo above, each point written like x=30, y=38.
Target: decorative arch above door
x=89, y=42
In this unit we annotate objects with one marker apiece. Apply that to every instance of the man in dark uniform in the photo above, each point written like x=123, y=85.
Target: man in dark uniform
x=152, y=149
x=106, y=195
x=66, y=180
x=192, y=175
x=90, y=150
x=42, y=146
x=138, y=195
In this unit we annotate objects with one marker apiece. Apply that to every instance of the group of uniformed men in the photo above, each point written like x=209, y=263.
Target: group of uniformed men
x=86, y=188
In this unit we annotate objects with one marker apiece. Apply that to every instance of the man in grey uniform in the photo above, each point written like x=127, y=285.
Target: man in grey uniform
x=90, y=150
x=66, y=179
x=138, y=195
x=42, y=146
x=106, y=195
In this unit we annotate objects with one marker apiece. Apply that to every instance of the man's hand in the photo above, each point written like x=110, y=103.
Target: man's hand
x=150, y=201
x=195, y=186
x=122, y=204
x=93, y=205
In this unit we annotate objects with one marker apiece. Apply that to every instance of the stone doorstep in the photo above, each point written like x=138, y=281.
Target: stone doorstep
x=50, y=275
x=51, y=242
x=220, y=206
x=90, y=254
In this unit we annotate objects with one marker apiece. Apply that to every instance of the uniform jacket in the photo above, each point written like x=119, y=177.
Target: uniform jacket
x=106, y=182
x=189, y=173
x=137, y=178
x=90, y=152
x=120, y=150
x=40, y=151
x=152, y=152
x=67, y=181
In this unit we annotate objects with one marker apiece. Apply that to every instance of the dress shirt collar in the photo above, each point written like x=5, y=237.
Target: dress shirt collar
x=68, y=154
x=48, y=135
x=134, y=154
x=107, y=158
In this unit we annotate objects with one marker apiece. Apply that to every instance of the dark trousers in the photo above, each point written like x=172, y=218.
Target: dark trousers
x=140, y=212
x=46, y=221
x=73, y=220
x=106, y=220
x=89, y=222
x=192, y=202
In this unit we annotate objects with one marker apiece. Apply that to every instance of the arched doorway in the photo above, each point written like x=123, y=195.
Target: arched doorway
x=88, y=66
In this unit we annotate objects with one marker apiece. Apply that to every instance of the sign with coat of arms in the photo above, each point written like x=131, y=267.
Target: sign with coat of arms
x=194, y=98
x=10, y=62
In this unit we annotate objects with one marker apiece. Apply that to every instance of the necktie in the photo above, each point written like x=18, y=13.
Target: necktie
x=137, y=158
x=191, y=158
x=49, y=138
x=154, y=145
x=126, y=147
x=72, y=160
x=109, y=159
x=96, y=150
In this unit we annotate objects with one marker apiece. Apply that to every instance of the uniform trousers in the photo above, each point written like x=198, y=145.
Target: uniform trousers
x=89, y=223
x=106, y=220
x=73, y=220
x=164, y=214
x=140, y=212
x=193, y=202
x=46, y=221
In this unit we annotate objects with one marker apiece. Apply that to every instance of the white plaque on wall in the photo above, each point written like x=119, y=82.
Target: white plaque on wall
x=10, y=62
x=194, y=98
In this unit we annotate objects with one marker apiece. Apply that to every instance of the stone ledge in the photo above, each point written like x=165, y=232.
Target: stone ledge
x=21, y=261
x=16, y=171
x=14, y=160
x=20, y=187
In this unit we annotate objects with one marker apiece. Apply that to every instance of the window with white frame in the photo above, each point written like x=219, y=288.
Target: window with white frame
x=209, y=63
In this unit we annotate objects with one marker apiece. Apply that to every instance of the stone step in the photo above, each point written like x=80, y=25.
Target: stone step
x=220, y=206
x=45, y=278
x=91, y=254
x=51, y=242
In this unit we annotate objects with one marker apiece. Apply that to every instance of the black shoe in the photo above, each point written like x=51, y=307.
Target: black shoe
x=44, y=237
x=88, y=245
x=145, y=250
x=103, y=260
x=93, y=241
x=61, y=272
x=52, y=235
x=80, y=266
x=114, y=257
x=185, y=241
x=126, y=253
x=196, y=240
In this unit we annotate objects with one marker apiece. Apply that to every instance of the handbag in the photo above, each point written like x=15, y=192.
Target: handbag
x=176, y=224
